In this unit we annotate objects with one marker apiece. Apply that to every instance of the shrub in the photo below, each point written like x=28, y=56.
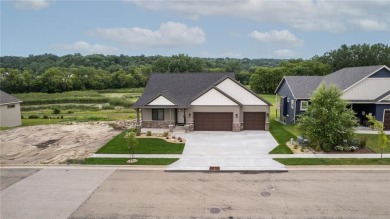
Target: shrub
x=33, y=117
x=180, y=139
x=133, y=130
x=350, y=148
x=56, y=111
x=62, y=117
x=295, y=146
x=338, y=148
x=45, y=117
x=148, y=133
x=326, y=147
x=173, y=137
x=108, y=107
x=302, y=149
x=363, y=142
x=166, y=134
x=70, y=112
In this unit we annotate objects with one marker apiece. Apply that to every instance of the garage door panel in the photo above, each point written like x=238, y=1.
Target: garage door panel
x=254, y=120
x=206, y=121
x=386, y=121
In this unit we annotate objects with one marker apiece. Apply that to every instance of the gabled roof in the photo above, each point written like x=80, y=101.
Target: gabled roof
x=7, y=98
x=180, y=88
x=346, y=77
x=302, y=87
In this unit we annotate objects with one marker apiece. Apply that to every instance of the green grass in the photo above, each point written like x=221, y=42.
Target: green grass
x=372, y=142
x=282, y=136
x=123, y=161
x=145, y=146
x=30, y=122
x=333, y=161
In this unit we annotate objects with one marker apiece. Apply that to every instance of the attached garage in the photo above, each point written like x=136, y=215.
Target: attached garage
x=386, y=120
x=254, y=120
x=208, y=121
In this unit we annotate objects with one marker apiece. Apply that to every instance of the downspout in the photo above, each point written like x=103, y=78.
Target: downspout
x=295, y=110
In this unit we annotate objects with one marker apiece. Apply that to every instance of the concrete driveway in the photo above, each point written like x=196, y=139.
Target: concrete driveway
x=231, y=151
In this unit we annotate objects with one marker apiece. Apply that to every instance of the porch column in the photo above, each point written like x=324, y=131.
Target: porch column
x=137, y=116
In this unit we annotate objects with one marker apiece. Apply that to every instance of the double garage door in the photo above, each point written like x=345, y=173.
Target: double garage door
x=386, y=121
x=207, y=121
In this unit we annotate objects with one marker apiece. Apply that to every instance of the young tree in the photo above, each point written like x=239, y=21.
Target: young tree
x=328, y=122
x=382, y=138
x=132, y=141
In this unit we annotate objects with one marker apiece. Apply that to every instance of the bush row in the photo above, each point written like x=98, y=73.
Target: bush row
x=63, y=107
x=87, y=100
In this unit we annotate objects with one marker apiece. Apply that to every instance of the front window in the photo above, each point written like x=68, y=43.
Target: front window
x=157, y=114
x=304, y=105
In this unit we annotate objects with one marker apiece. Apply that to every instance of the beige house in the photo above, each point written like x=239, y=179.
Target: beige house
x=10, y=115
x=203, y=101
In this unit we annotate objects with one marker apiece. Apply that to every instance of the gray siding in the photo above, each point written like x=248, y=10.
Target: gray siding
x=286, y=92
x=380, y=111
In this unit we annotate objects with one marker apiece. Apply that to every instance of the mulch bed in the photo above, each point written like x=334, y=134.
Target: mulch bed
x=358, y=151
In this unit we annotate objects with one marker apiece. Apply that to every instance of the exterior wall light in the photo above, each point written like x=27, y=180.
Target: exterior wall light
x=189, y=115
x=236, y=115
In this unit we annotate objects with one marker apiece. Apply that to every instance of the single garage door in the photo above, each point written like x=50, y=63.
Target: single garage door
x=213, y=121
x=254, y=120
x=386, y=121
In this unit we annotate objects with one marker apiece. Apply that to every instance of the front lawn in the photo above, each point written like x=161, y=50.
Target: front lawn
x=372, y=142
x=123, y=161
x=333, y=161
x=282, y=136
x=118, y=145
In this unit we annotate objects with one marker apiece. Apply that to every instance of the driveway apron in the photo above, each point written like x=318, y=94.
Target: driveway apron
x=51, y=193
x=230, y=151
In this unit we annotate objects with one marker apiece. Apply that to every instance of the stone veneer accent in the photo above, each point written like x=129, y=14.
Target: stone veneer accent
x=267, y=126
x=157, y=124
x=191, y=127
x=236, y=127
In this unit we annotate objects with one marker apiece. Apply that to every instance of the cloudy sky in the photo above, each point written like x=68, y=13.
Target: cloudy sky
x=215, y=28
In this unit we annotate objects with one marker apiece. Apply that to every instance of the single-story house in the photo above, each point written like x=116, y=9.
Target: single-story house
x=367, y=90
x=203, y=101
x=10, y=115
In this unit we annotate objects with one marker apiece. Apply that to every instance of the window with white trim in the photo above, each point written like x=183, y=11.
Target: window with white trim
x=304, y=105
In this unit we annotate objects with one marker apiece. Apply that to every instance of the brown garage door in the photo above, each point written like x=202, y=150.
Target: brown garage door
x=213, y=121
x=254, y=120
x=386, y=121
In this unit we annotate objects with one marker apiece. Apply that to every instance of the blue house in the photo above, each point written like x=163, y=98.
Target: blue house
x=367, y=90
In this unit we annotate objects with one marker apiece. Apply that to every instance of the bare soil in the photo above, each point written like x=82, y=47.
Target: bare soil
x=53, y=144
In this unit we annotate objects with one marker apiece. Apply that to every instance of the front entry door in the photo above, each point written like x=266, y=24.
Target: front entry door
x=180, y=116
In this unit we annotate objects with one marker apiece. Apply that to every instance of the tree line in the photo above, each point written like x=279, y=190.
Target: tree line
x=50, y=73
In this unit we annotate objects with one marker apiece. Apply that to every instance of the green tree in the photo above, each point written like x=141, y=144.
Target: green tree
x=328, y=122
x=132, y=141
x=382, y=138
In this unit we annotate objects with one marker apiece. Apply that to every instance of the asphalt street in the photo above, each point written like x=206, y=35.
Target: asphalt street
x=72, y=192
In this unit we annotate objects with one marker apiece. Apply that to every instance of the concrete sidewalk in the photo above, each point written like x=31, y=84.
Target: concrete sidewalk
x=243, y=156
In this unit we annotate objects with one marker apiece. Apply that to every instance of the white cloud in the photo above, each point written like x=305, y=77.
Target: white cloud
x=278, y=37
x=285, y=53
x=309, y=15
x=32, y=4
x=169, y=34
x=367, y=24
x=85, y=48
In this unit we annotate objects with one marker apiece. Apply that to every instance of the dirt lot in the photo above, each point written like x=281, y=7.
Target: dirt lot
x=52, y=144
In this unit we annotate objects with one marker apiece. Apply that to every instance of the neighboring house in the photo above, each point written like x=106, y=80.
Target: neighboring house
x=10, y=115
x=367, y=90
x=203, y=101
